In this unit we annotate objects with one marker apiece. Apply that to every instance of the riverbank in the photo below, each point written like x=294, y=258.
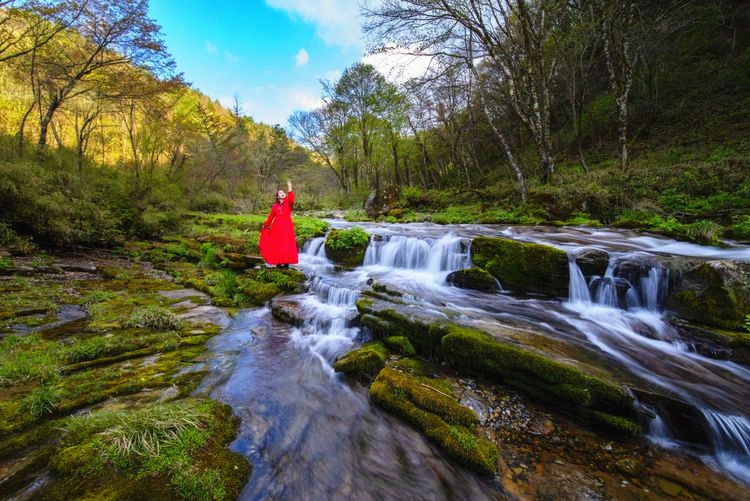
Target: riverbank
x=95, y=385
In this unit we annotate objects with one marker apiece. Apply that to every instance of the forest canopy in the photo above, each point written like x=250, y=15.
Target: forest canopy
x=531, y=111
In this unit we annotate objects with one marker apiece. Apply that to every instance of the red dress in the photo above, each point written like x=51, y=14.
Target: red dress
x=278, y=244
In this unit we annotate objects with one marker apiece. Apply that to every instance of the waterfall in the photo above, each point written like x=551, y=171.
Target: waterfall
x=731, y=442
x=579, y=289
x=447, y=253
x=330, y=327
x=645, y=289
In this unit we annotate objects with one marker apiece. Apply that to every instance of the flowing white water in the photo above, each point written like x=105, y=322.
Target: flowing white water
x=662, y=359
x=617, y=319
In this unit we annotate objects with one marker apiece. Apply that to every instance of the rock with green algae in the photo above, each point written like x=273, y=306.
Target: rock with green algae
x=523, y=267
x=347, y=247
x=364, y=363
x=579, y=395
x=438, y=416
x=473, y=278
x=399, y=345
x=715, y=293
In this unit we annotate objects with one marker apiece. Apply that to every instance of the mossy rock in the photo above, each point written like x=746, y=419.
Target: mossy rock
x=715, y=293
x=444, y=421
x=572, y=391
x=400, y=345
x=347, y=247
x=523, y=267
x=473, y=278
x=387, y=322
x=363, y=363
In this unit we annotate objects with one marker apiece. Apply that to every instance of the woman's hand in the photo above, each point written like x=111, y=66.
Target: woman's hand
x=289, y=185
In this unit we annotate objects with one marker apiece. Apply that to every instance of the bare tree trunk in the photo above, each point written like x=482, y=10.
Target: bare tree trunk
x=503, y=141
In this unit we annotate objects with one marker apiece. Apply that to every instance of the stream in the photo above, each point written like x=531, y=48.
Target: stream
x=312, y=435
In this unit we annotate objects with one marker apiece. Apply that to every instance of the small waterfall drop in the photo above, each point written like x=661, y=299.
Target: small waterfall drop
x=731, y=442
x=642, y=286
x=579, y=289
x=445, y=254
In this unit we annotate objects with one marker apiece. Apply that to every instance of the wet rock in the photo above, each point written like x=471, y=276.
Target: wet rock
x=473, y=278
x=382, y=201
x=289, y=311
x=23, y=271
x=523, y=267
x=363, y=363
x=715, y=293
x=79, y=267
x=592, y=262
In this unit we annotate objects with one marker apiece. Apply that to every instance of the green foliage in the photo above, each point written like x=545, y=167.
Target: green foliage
x=747, y=323
x=154, y=318
x=74, y=215
x=740, y=230
x=7, y=235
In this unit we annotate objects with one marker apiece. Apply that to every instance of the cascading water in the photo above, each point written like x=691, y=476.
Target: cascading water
x=642, y=323
x=293, y=405
x=445, y=254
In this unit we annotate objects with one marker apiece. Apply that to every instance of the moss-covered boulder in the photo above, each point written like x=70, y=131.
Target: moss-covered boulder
x=347, y=247
x=363, y=363
x=442, y=419
x=385, y=319
x=473, y=278
x=400, y=345
x=571, y=391
x=715, y=293
x=523, y=267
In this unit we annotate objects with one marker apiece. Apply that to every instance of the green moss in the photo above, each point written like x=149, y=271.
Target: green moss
x=473, y=278
x=523, y=267
x=347, y=246
x=440, y=418
x=478, y=352
x=387, y=322
x=178, y=446
x=363, y=363
x=400, y=345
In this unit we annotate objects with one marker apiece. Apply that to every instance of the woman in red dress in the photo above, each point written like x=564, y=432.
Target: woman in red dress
x=278, y=244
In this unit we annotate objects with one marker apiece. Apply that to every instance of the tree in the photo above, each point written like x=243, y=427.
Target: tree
x=517, y=36
x=112, y=33
x=26, y=26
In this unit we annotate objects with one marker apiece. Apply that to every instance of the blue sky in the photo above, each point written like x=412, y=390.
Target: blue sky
x=270, y=54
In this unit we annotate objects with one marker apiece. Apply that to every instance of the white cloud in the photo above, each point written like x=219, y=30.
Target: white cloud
x=398, y=67
x=332, y=75
x=274, y=105
x=210, y=48
x=301, y=58
x=337, y=22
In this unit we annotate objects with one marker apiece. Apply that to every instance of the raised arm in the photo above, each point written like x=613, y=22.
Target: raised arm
x=290, y=194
